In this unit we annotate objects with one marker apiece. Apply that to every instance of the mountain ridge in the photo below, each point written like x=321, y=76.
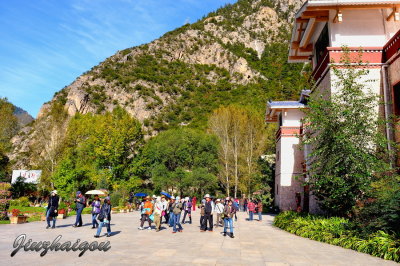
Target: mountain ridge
x=175, y=80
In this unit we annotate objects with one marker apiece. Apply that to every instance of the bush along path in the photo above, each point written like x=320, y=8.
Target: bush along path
x=336, y=231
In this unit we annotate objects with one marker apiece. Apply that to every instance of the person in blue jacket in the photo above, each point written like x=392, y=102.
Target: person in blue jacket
x=105, y=217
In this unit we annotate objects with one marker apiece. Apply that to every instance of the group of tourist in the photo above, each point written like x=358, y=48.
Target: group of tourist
x=158, y=208
x=101, y=213
x=171, y=209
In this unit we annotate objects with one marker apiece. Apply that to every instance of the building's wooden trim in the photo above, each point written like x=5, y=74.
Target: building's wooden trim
x=305, y=40
x=392, y=14
x=338, y=17
x=314, y=14
x=298, y=57
x=307, y=49
x=301, y=20
x=343, y=7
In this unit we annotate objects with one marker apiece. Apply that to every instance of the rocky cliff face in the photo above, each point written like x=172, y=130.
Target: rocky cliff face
x=157, y=82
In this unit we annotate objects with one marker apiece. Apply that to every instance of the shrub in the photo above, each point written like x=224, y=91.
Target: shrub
x=14, y=202
x=62, y=205
x=115, y=198
x=336, y=231
x=23, y=202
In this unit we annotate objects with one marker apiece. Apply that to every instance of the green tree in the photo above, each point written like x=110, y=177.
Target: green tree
x=99, y=150
x=348, y=150
x=8, y=123
x=8, y=129
x=182, y=160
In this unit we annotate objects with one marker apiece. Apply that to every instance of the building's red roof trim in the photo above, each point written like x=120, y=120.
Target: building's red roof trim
x=392, y=46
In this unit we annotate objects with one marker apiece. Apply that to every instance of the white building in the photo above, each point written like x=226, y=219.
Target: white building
x=321, y=29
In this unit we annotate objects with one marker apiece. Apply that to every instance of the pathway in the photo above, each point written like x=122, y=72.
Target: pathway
x=256, y=243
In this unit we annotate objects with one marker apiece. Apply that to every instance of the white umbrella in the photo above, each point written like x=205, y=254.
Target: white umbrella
x=95, y=192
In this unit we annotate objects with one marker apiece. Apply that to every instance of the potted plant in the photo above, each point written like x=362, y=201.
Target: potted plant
x=62, y=211
x=115, y=210
x=17, y=217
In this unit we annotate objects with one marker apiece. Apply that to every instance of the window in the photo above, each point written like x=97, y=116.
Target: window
x=321, y=44
x=396, y=100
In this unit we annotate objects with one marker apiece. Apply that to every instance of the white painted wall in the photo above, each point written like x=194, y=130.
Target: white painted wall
x=291, y=117
x=363, y=27
x=291, y=159
x=371, y=81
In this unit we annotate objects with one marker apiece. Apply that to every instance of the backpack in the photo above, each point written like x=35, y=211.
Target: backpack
x=236, y=206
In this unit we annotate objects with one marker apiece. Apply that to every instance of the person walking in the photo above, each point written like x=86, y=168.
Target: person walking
x=80, y=202
x=241, y=204
x=177, y=209
x=171, y=211
x=164, y=214
x=229, y=212
x=158, y=209
x=251, y=207
x=235, y=204
x=105, y=217
x=219, y=209
x=202, y=217
x=146, y=212
x=245, y=203
x=194, y=202
x=208, y=216
x=260, y=210
x=187, y=210
x=52, y=209
x=95, y=211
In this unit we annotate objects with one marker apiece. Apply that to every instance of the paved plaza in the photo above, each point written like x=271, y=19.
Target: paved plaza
x=255, y=243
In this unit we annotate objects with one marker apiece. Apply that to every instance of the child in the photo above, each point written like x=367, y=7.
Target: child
x=202, y=218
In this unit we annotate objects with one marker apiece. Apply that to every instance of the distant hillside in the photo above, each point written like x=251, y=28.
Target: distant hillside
x=235, y=55
x=23, y=116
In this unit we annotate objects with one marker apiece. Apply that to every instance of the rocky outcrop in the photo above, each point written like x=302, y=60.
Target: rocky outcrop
x=210, y=41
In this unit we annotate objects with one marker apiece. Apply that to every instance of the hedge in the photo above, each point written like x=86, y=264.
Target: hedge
x=336, y=231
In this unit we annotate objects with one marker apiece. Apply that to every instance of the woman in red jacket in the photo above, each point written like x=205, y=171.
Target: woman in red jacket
x=251, y=207
x=194, y=201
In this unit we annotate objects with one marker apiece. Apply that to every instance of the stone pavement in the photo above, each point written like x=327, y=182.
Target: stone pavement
x=256, y=243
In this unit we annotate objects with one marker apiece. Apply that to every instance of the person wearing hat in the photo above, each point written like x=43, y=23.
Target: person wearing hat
x=219, y=209
x=187, y=207
x=164, y=203
x=80, y=205
x=208, y=213
x=52, y=211
x=158, y=209
x=177, y=209
x=105, y=217
x=147, y=211
x=95, y=211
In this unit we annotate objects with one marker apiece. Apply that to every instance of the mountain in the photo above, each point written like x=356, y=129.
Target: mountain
x=23, y=116
x=235, y=55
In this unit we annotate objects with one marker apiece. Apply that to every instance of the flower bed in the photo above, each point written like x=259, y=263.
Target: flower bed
x=335, y=231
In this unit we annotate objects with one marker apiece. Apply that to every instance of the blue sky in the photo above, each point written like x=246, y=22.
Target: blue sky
x=46, y=44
